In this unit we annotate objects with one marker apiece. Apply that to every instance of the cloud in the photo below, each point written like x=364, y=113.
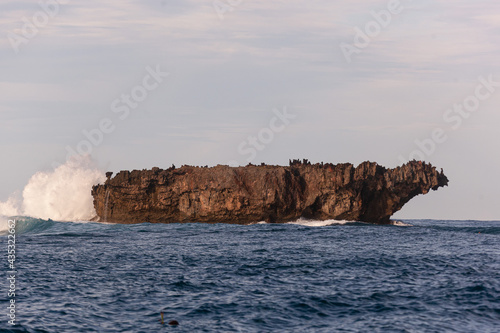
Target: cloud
x=226, y=76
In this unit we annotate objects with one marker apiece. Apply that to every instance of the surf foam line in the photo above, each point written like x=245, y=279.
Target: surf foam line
x=318, y=223
x=63, y=194
x=401, y=224
x=312, y=223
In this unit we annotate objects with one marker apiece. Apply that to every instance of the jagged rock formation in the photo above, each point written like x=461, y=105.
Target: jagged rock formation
x=368, y=192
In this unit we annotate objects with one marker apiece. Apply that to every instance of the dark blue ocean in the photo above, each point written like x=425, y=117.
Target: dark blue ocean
x=433, y=276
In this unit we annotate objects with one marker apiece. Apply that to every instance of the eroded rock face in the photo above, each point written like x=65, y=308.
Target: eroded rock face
x=368, y=192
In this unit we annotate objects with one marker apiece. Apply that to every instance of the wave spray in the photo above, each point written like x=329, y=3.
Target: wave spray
x=63, y=194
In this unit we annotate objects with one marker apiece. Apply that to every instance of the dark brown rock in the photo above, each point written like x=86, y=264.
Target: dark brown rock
x=242, y=195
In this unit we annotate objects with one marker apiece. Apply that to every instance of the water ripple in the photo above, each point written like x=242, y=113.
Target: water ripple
x=435, y=276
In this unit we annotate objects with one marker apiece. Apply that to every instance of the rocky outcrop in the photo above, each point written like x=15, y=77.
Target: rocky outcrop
x=368, y=192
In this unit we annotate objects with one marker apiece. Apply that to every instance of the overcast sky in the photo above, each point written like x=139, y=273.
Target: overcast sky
x=348, y=88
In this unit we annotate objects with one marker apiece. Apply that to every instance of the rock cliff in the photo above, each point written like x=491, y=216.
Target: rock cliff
x=368, y=192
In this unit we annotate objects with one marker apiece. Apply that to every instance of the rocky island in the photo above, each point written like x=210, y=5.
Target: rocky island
x=243, y=195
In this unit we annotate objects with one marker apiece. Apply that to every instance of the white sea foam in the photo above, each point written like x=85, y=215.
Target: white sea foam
x=311, y=223
x=62, y=194
x=12, y=206
x=317, y=223
x=401, y=224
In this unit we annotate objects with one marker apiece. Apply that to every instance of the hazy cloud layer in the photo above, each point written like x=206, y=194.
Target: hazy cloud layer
x=226, y=76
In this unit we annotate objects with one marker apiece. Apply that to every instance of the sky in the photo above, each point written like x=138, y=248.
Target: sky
x=147, y=83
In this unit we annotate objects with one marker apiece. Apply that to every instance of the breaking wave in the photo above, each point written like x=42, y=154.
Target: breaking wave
x=24, y=224
x=62, y=194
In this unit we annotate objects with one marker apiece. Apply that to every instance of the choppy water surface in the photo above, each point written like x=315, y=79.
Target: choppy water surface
x=434, y=276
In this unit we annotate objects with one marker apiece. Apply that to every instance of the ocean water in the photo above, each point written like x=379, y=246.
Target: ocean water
x=308, y=276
